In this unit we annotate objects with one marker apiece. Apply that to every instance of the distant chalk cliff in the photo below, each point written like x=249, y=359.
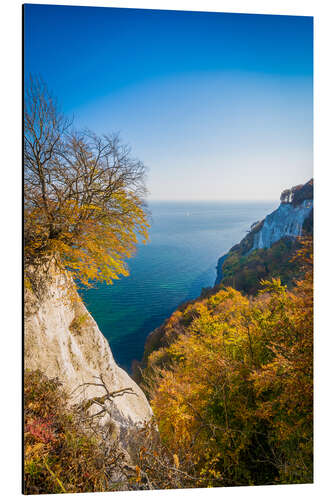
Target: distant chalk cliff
x=287, y=220
x=291, y=219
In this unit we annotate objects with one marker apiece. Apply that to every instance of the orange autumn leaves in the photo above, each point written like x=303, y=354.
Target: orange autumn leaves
x=233, y=391
x=96, y=248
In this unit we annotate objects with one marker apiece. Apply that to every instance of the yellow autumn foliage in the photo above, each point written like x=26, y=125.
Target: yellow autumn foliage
x=83, y=194
x=233, y=390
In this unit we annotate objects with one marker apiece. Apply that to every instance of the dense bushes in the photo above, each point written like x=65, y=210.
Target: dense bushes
x=59, y=454
x=66, y=452
x=231, y=389
x=232, y=393
x=244, y=272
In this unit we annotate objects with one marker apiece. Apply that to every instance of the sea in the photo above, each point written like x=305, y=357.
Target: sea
x=186, y=241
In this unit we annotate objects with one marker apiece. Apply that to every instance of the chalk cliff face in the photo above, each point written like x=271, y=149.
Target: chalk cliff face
x=63, y=340
x=291, y=219
x=287, y=220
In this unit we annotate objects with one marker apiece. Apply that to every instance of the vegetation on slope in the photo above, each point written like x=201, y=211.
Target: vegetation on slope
x=241, y=272
x=60, y=456
x=245, y=272
x=66, y=451
x=232, y=388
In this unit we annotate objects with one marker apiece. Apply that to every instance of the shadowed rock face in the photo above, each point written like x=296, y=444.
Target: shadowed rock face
x=63, y=340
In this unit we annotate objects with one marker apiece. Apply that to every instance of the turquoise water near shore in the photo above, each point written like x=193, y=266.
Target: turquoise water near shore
x=186, y=240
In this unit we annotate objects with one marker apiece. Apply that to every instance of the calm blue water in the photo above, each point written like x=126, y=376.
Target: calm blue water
x=186, y=240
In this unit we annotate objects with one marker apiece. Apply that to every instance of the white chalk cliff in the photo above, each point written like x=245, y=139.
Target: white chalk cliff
x=286, y=221
x=63, y=340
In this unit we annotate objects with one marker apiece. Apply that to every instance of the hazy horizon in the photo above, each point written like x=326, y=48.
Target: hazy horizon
x=219, y=107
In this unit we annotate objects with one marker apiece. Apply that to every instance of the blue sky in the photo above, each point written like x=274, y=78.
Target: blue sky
x=218, y=106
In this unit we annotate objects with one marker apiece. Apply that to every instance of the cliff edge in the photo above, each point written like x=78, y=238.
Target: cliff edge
x=62, y=340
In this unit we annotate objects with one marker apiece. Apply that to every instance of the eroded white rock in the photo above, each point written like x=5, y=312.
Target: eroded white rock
x=63, y=340
x=287, y=220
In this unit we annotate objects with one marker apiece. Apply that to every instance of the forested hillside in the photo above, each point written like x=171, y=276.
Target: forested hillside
x=231, y=386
